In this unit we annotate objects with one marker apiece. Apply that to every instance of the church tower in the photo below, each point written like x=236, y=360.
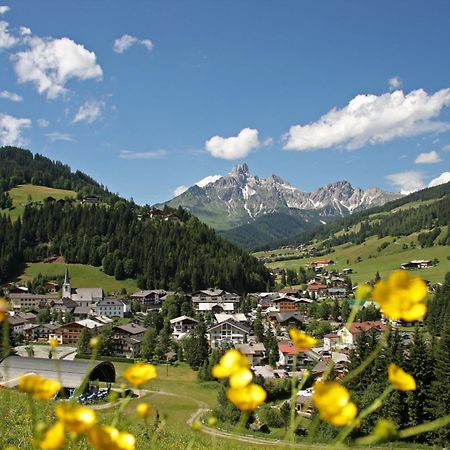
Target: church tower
x=66, y=289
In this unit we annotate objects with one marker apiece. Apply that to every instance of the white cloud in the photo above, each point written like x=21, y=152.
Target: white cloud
x=127, y=154
x=6, y=40
x=11, y=130
x=428, y=158
x=50, y=63
x=25, y=31
x=57, y=136
x=407, y=182
x=208, y=180
x=371, y=119
x=89, y=112
x=395, y=83
x=43, y=123
x=446, y=148
x=233, y=147
x=123, y=43
x=4, y=9
x=179, y=190
x=441, y=179
x=11, y=96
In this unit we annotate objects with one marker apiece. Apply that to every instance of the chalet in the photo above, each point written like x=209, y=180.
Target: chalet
x=127, y=340
x=286, y=319
x=418, y=264
x=227, y=334
x=319, y=289
x=320, y=263
x=215, y=300
x=265, y=300
x=287, y=353
x=82, y=312
x=64, y=305
x=52, y=286
x=292, y=292
x=110, y=307
x=31, y=301
x=39, y=333
x=182, y=325
x=17, y=323
x=238, y=317
x=285, y=303
x=255, y=352
x=91, y=199
x=337, y=292
x=330, y=340
x=340, y=361
x=69, y=333
x=348, y=336
x=151, y=299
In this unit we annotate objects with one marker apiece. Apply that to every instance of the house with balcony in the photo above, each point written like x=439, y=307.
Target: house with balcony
x=227, y=334
x=215, y=300
x=182, y=326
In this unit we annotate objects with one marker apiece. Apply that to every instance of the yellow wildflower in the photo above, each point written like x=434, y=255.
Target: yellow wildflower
x=39, y=387
x=53, y=342
x=143, y=410
x=54, y=437
x=234, y=365
x=4, y=307
x=76, y=418
x=401, y=297
x=94, y=342
x=301, y=340
x=212, y=421
x=110, y=438
x=401, y=380
x=139, y=373
x=196, y=425
x=333, y=403
x=247, y=398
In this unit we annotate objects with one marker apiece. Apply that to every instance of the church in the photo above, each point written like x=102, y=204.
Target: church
x=82, y=296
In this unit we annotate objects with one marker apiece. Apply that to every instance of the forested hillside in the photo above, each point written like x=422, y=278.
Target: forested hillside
x=116, y=235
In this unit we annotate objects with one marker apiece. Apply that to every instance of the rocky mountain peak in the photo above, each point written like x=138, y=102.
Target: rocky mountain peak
x=240, y=170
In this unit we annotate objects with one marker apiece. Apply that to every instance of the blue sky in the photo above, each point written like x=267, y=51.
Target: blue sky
x=147, y=96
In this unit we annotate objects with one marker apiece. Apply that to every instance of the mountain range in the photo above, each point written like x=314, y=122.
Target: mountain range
x=243, y=206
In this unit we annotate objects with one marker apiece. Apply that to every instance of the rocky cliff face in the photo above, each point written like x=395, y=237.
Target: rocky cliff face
x=241, y=197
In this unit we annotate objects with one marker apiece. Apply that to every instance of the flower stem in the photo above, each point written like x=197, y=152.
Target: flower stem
x=424, y=427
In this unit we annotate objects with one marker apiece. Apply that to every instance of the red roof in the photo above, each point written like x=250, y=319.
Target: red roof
x=364, y=327
x=316, y=286
x=322, y=261
x=331, y=335
x=287, y=348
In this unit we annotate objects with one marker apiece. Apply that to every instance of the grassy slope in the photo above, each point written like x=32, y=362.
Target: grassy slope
x=80, y=276
x=19, y=196
x=384, y=262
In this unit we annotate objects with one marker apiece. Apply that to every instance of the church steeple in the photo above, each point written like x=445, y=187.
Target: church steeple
x=66, y=289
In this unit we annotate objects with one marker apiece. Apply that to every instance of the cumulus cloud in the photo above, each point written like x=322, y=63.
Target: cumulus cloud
x=180, y=190
x=51, y=63
x=233, y=147
x=428, y=158
x=6, y=40
x=11, y=129
x=89, y=112
x=43, y=123
x=25, y=31
x=4, y=9
x=372, y=119
x=11, y=96
x=123, y=43
x=128, y=154
x=57, y=136
x=395, y=83
x=441, y=179
x=407, y=182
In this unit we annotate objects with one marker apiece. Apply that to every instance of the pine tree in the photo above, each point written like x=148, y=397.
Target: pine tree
x=149, y=344
x=83, y=344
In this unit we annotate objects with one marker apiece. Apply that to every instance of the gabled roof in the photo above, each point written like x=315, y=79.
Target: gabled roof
x=364, y=327
x=182, y=318
x=238, y=317
x=287, y=348
x=110, y=302
x=89, y=323
x=130, y=328
x=233, y=323
x=285, y=316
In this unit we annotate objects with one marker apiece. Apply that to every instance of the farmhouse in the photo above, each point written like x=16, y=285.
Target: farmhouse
x=418, y=264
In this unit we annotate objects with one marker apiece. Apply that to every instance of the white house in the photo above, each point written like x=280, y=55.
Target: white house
x=215, y=300
x=348, y=336
x=227, y=333
x=110, y=307
x=182, y=325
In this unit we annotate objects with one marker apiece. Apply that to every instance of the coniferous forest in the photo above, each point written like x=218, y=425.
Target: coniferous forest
x=117, y=235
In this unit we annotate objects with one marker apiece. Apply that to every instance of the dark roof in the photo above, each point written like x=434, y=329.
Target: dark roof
x=285, y=316
x=71, y=373
x=130, y=328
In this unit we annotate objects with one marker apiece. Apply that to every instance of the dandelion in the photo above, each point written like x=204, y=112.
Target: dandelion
x=54, y=437
x=4, y=307
x=139, y=373
x=301, y=340
x=143, y=410
x=39, y=387
x=333, y=403
x=401, y=380
x=110, y=438
x=76, y=419
x=247, y=398
x=402, y=296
